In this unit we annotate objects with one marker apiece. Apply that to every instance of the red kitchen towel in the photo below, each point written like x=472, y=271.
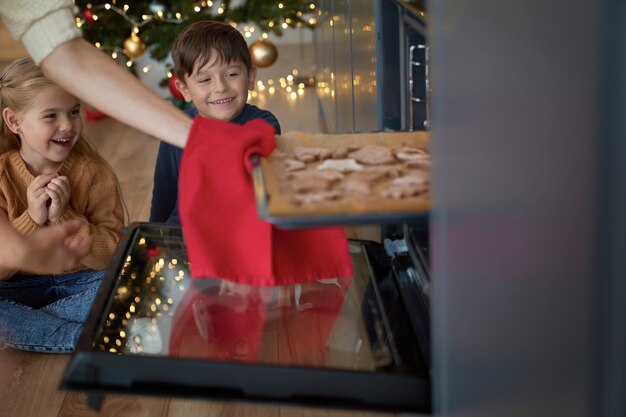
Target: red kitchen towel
x=225, y=238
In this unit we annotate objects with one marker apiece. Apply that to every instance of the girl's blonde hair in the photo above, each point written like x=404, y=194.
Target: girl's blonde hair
x=20, y=83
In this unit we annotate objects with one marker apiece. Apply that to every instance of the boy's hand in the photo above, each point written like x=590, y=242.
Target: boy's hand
x=58, y=189
x=38, y=198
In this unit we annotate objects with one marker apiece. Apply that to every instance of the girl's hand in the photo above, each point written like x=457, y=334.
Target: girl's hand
x=58, y=189
x=38, y=198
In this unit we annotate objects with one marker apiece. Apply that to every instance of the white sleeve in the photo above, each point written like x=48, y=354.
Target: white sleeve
x=40, y=25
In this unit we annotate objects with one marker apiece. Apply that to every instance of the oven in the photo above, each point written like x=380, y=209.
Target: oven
x=359, y=343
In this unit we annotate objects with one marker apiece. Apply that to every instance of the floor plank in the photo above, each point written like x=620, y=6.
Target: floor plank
x=75, y=405
x=203, y=408
x=40, y=396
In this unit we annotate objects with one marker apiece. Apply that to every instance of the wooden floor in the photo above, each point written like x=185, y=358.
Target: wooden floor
x=29, y=383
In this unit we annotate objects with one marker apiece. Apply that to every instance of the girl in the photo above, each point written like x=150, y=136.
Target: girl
x=49, y=174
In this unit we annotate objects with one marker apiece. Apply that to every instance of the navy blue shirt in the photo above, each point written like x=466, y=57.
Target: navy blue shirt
x=164, y=208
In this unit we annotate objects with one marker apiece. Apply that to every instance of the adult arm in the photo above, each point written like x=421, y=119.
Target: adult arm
x=97, y=79
x=48, y=250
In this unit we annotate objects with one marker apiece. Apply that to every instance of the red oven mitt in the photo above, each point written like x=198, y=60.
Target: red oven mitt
x=225, y=238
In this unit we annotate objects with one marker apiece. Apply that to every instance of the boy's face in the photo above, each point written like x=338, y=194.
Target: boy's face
x=219, y=90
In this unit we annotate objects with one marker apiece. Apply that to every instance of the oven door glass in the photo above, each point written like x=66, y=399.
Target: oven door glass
x=343, y=343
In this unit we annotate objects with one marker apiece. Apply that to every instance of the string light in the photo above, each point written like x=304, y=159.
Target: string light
x=138, y=19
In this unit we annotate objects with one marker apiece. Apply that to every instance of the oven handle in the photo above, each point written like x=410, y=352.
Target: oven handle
x=412, y=98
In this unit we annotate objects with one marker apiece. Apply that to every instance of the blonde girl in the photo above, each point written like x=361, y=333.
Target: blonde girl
x=49, y=175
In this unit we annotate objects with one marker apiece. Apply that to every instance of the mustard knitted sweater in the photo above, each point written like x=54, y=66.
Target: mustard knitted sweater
x=94, y=200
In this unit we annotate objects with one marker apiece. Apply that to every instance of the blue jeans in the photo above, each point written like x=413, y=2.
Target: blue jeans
x=45, y=313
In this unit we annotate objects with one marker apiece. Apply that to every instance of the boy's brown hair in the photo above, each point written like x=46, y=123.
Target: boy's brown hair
x=196, y=43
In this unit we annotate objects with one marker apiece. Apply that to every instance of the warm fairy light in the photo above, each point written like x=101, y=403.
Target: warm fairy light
x=264, y=35
x=247, y=34
x=288, y=89
x=126, y=7
x=145, y=69
x=270, y=82
x=129, y=63
x=209, y=3
x=280, y=5
x=272, y=90
x=197, y=9
x=313, y=21
x=285, y=25
x=107, y=6
x=300, y=91
x=287, y=21
x=270, y=23
x=301, y=86
x=178, y=15
x=220, y=10
x=312, y=6
x=97, y=44
x=293, y=95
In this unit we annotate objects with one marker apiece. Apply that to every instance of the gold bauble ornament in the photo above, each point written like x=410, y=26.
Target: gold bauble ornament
x=263, y=53
x=134, y=46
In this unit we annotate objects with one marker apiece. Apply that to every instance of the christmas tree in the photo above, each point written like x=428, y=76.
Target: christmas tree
x=125, y=28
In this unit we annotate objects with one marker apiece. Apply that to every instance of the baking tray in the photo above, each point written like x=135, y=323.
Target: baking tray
x=273, y=198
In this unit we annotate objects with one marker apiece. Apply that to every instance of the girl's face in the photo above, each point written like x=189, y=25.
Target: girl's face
x=48, y=129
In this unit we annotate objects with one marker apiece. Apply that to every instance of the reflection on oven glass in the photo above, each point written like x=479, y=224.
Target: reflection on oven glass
x=158, y=309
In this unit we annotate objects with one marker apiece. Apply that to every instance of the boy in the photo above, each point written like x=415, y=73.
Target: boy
x=215, y=72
